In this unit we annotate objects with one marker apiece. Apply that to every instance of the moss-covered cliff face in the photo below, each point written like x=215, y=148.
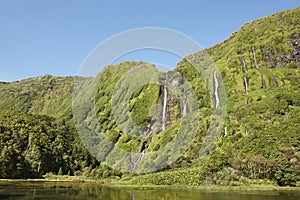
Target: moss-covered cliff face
x=136, y=108
x=259, y=67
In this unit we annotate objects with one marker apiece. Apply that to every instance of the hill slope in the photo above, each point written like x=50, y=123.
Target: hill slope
x=46, y=95
x=257, y=69
x=259, y=66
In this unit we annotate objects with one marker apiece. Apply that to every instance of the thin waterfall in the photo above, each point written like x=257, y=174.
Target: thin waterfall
x=243, y=65
x=164, y=106
x=137, y=162
x=184, y=108
x=225, y=131
x=216, y=90
x=254, y=57
x=246, y=85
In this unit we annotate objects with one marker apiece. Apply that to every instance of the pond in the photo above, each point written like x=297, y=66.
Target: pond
x=88, y=191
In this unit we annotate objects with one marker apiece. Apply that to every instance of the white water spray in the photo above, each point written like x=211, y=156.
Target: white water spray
x=216, y=90
x=246, y=85
x=137, y=162
x=164, y=106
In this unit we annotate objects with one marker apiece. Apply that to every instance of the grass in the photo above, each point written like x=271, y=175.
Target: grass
x=72, y=182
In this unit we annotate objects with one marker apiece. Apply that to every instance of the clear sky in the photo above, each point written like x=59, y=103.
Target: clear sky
x=55, y=36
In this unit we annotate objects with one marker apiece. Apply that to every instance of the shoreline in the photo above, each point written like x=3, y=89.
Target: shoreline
x=120, y=185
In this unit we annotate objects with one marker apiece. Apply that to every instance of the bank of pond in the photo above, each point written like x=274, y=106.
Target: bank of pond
x=66, y=189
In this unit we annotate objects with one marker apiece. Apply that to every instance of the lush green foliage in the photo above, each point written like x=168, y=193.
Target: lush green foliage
x=46, y=95
x=32, y=145
x=262, y=140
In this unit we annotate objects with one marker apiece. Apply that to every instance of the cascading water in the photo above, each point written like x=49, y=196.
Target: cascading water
x=246, y=85
x=243, y=65
x=184, y=108
x=138, y=160
x=216, y=90
x=254, y=58
x=164, y=106
x=145, y=145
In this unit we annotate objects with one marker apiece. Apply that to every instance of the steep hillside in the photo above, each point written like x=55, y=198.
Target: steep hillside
x=226, y=115
x=45, y=95
x=130, y=116
x=259, y=66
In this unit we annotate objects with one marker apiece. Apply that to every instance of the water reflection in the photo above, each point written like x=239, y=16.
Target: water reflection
x=132, y=197
x=64, y=191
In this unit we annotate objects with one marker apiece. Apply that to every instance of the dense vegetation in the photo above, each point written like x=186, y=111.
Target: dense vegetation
x=260, y=141
x=46, y=95
x=33, y=145
x=262, y=124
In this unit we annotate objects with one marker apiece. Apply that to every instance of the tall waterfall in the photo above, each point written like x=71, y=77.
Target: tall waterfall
x=138, y=160
x=216, y=90
x=164, y=106
x=246, y=84
x=164, y=112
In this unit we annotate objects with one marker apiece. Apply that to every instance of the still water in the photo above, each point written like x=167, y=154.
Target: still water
x=65, y=191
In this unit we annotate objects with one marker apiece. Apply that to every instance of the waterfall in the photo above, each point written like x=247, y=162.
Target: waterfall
x=225, y=131
x=243, y=65
x=164, y=106
x=254, y=58
x=184, y=108
x=246, y=84
x=138, y=160
x=216, y=90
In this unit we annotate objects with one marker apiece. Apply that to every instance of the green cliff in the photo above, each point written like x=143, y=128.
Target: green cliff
x=244, y=90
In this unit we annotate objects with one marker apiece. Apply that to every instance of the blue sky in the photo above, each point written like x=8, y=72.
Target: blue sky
x=55, y=36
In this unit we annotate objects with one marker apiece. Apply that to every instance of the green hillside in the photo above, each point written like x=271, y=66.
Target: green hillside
x=80, y=124
x=45, y=95
x=262, y=123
